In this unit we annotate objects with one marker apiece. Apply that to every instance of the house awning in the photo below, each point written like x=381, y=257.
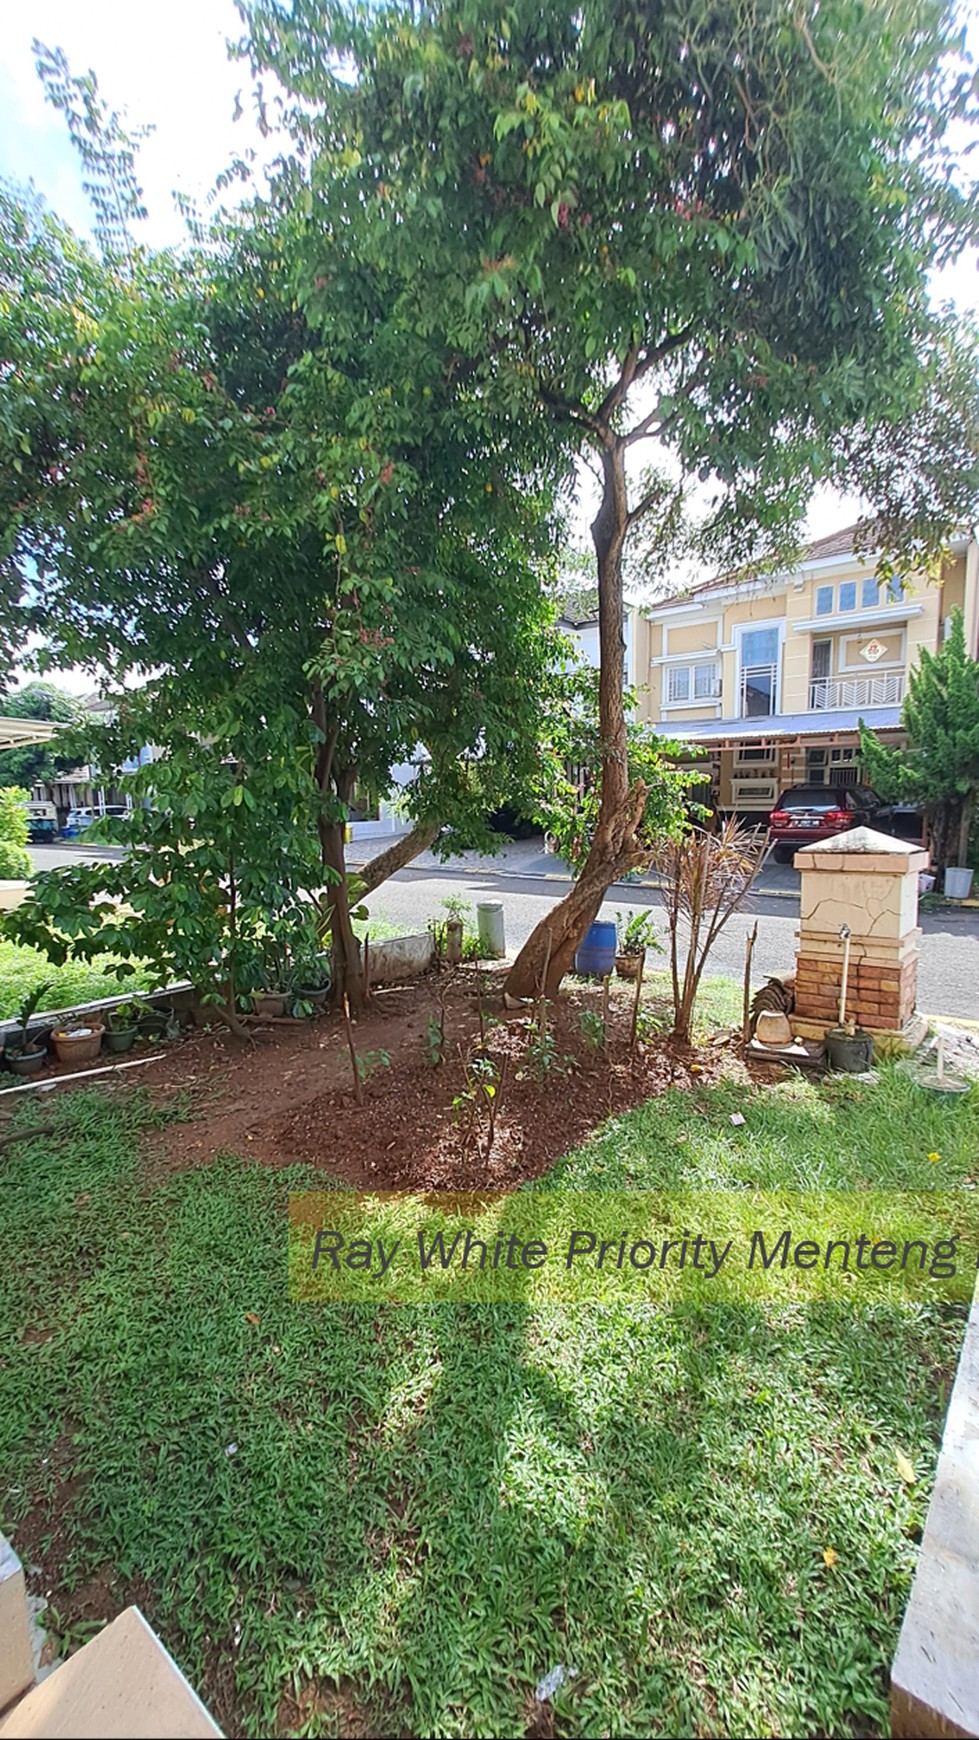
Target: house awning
x=781, y=725
x=21, y=733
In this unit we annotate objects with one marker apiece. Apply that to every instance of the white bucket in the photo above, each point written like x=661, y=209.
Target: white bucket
x=958, y=883
x=489, y=923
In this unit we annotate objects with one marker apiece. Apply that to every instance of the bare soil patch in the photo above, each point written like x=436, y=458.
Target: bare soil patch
x=288, y=1096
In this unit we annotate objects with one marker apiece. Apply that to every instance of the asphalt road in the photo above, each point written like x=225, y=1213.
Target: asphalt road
x=948, y=972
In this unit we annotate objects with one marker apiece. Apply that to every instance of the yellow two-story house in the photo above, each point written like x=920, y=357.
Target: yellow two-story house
x=770, y=676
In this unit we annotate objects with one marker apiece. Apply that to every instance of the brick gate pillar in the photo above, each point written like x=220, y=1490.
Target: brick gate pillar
x=868, y=881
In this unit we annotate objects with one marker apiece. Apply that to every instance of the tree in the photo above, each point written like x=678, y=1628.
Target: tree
x=706, y=227
x=40, y=762
x=242, y=500
x=566, y=789
x=223, y=865
x=938, y=769
x=15, y=862
x=706, y=878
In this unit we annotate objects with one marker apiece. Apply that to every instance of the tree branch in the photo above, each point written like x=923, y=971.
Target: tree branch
x=397, y=856
x=575, y=413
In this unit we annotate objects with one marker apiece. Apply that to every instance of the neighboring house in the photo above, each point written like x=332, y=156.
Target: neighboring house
x=771, y=676
x=582, y=628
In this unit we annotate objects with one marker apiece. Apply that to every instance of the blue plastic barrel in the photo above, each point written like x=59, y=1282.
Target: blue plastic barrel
x=597, y=952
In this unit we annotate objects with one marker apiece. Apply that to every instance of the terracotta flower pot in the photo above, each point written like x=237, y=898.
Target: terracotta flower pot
x=79, y=1044
x=627, y=966
x=772, y=1028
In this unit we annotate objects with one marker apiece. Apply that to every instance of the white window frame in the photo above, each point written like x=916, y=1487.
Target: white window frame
x=672, y=673
x=689, y=669
x=743, y=628
x=832, y=600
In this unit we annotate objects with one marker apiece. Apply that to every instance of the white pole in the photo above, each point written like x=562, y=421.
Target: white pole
x=845, y=934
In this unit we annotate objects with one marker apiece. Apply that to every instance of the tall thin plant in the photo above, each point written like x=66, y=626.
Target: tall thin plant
x=706, y=878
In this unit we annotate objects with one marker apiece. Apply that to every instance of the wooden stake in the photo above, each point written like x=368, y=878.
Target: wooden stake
x=749, y=946
x=542, y=1008
x=635, y=1002
x=606, y=982
x=358, y=1084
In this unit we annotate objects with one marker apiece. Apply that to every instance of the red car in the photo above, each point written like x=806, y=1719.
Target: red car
x=817, y=812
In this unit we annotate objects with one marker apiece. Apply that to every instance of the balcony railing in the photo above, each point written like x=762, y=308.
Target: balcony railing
x=759, y=688
x=884, y=690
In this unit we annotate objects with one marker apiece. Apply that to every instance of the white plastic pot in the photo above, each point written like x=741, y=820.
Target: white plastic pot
x=958, y=883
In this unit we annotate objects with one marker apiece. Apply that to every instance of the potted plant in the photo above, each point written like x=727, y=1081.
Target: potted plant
x=311, y=982
x=121, y=1028
x=153, y=1022
x=26, y=1052
x=635, y=933
x=78, y=1041
x=272, y=993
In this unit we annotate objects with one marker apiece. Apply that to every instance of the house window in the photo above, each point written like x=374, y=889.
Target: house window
x=824, y=600
x=678, y=683
x=870, y=592
x=706, y=682
x=760, y=649
x=848, y=595
x=692, y=682
x=763, y=752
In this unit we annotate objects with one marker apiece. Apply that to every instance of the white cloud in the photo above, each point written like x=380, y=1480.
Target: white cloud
x=166, y=65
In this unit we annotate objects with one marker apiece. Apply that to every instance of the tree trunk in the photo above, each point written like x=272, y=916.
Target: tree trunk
x=397, y=856
x=614, y=849
x=348, y=973
x=942, y=822
x=965, y=830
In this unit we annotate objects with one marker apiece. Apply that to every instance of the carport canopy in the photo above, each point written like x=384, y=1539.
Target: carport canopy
x=21, y=733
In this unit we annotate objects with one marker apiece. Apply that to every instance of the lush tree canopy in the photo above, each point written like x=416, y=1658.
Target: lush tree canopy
x=265, y=511
x=38, y=700
x=704, y=226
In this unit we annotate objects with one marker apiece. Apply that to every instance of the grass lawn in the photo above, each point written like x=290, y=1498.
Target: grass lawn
x=76, y=982
x=352, y=1520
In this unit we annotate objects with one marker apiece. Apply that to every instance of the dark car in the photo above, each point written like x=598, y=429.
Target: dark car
x=817, y=812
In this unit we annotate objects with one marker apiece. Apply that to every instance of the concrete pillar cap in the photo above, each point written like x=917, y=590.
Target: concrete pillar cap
x=862, y=843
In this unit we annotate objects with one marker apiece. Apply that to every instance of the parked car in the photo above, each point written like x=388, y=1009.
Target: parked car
x=42, y=821
x=807, y=813
x=78, y=820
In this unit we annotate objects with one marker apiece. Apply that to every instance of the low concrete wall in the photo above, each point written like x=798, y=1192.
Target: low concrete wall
x=400, y=958
x=11, y=895
x=179, y=996
x=935, y=1677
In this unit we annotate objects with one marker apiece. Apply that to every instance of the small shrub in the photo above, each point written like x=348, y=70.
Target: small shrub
x=15, y=862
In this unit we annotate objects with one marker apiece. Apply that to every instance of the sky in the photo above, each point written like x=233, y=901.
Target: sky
x=167, y=65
